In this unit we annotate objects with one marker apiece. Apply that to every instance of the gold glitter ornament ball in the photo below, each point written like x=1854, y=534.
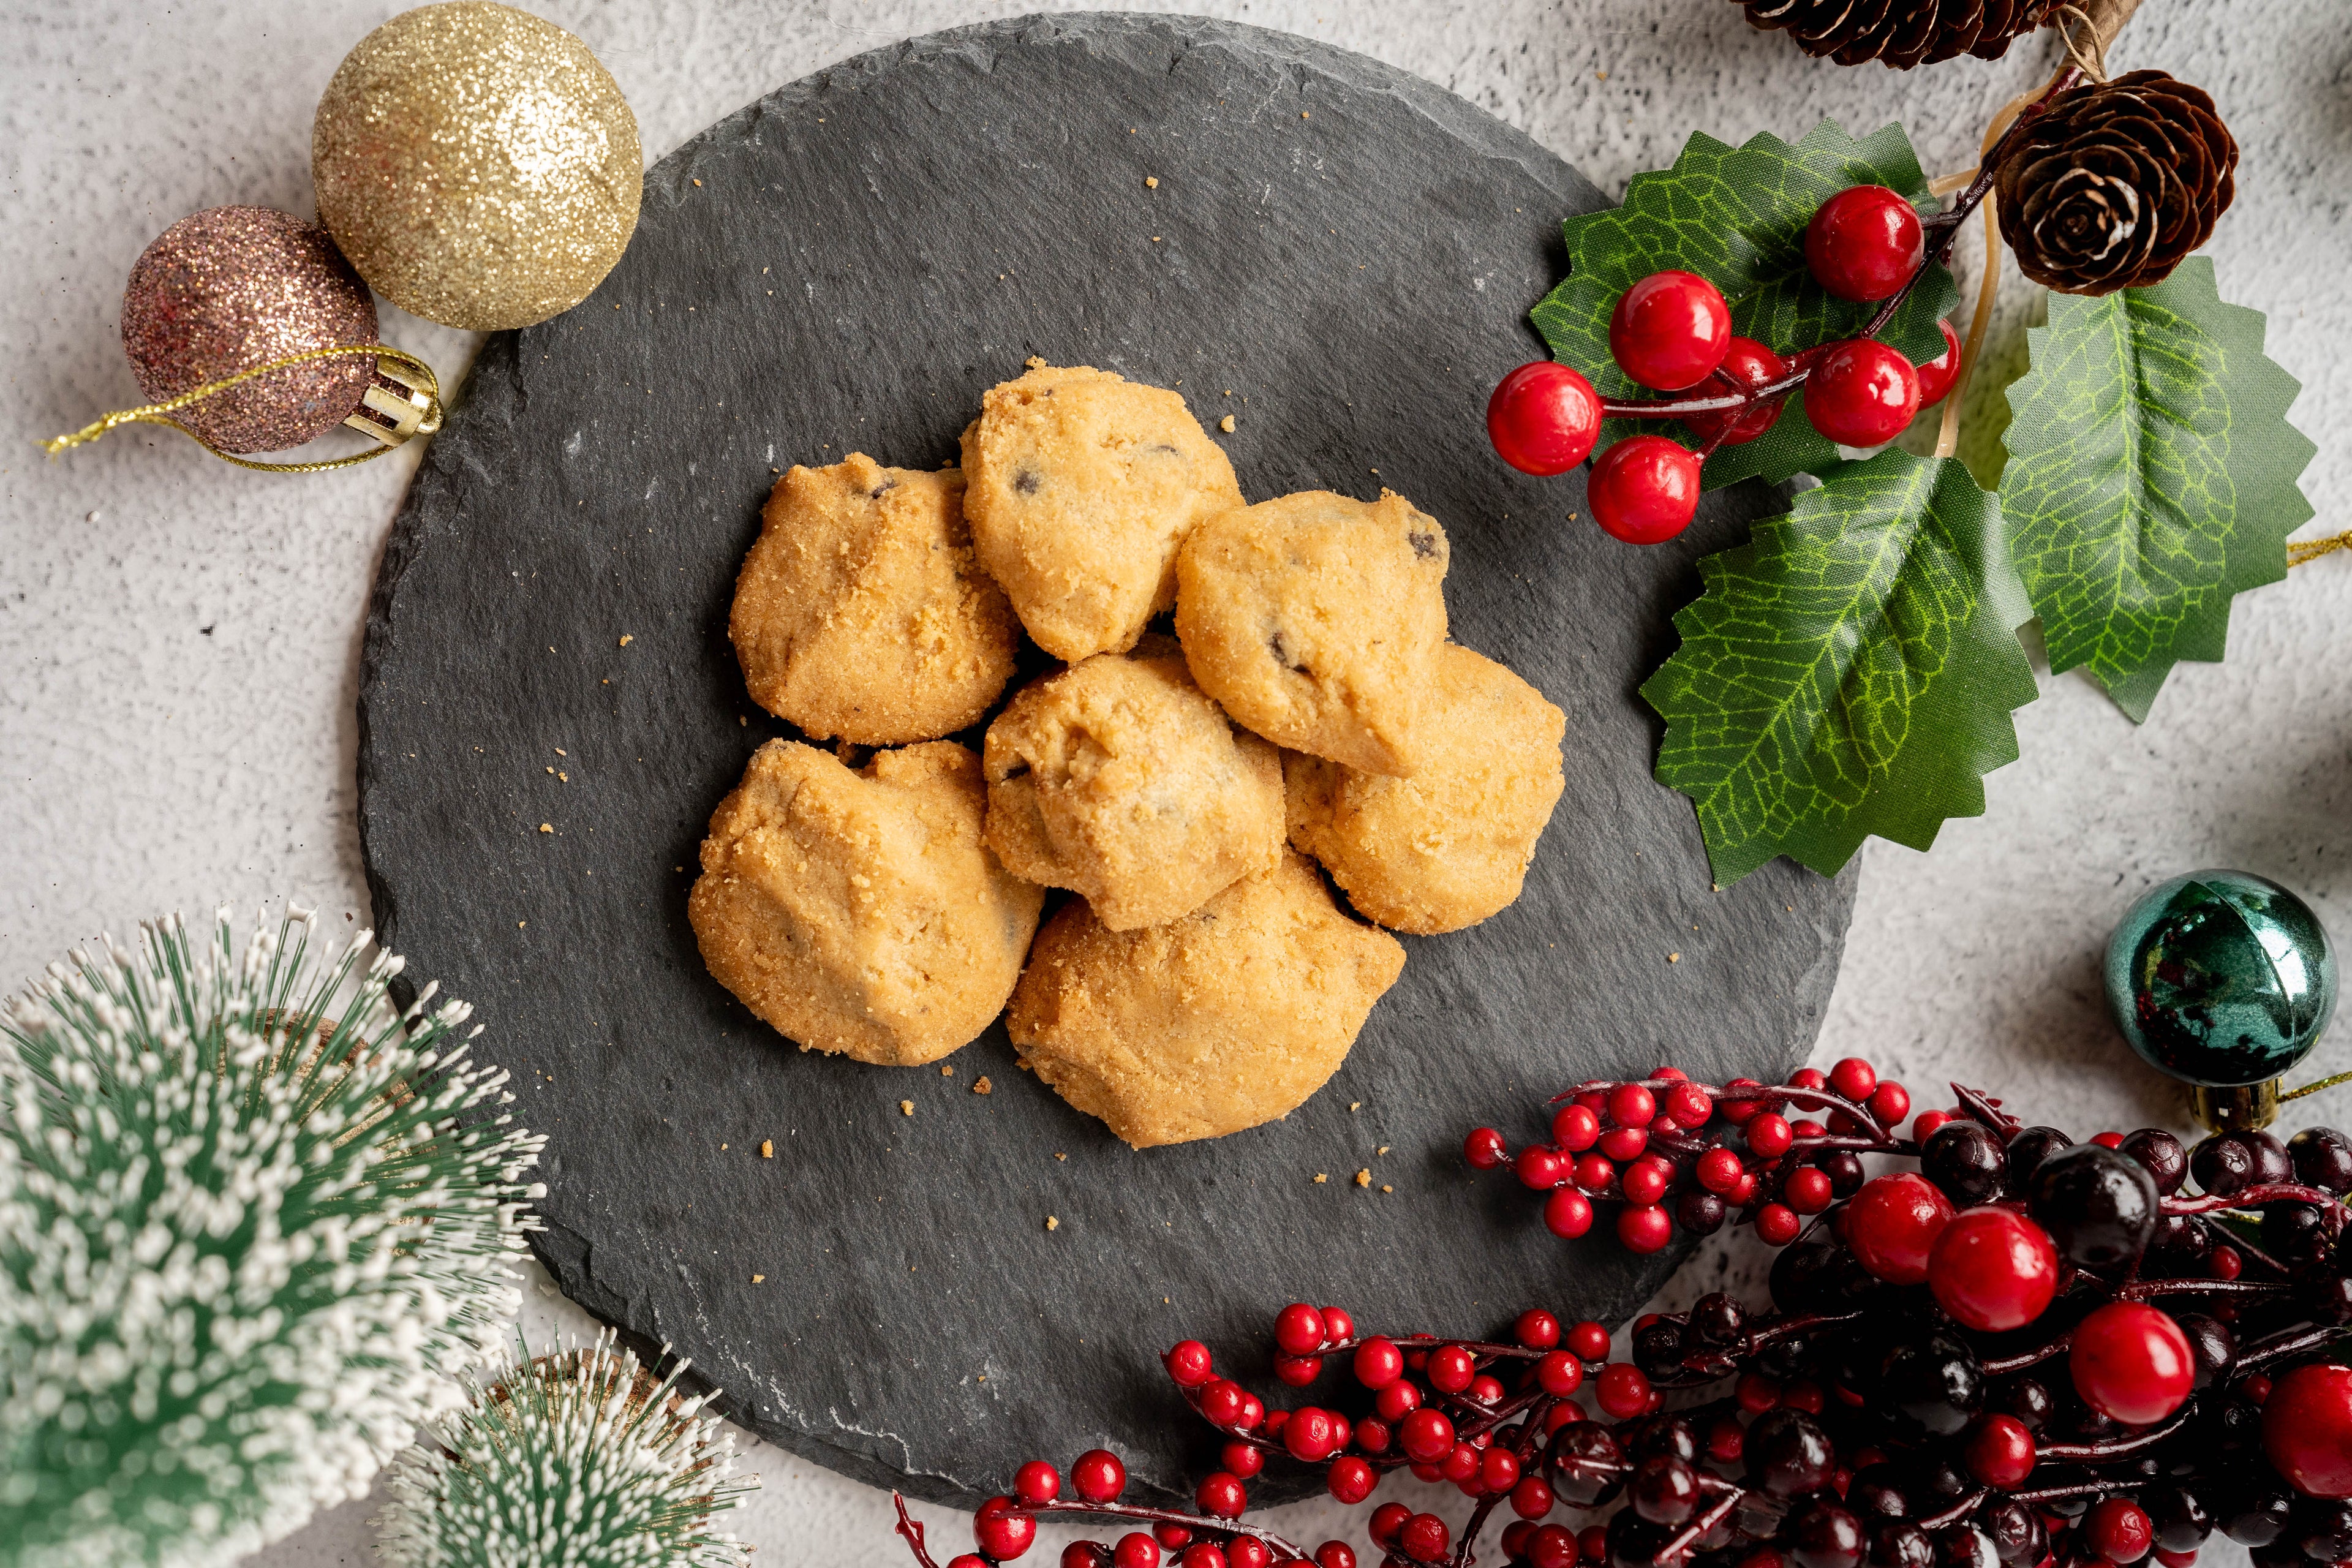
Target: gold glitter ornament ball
x=477, y=165
x=232, y=288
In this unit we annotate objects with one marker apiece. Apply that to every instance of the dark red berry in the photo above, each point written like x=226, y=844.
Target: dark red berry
x=2119, y=1530
x=1752, y=364
x=1135, y=1549
x=1098, y=1476
x=1351, y=1480
x=2099, y=1206
x=1891, y=1224
x=1643, y=1227
x=1568, y=1213
x=1221, y=1495
x=2307, y=1429
x=1663, y=1489
x=1543, y=418
x=1378, y=1363
x=2131, y=1363
x=1036, y=1482
x=1483, y=1149
x=1862, y=393
x=1864, y=243
x=1993, y=1269
x=1001, y=1531
x=1937, y=375
x=1998, y=1451
x=1670, y=330
x=1643, y=490
x=1298, y=1329
x=1188, y=1362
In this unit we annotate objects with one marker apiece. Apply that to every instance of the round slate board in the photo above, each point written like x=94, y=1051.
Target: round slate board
x=848, y=264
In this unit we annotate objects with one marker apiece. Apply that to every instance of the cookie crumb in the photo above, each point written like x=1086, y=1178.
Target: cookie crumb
x=906, y=1108
x=547, y=827
x=1386, y=1188
x=1383, y=1149
x=1052, y=1222
x=1354, y=1106
x=1227, y=424
x=1059, y=1156
x=1150, y=182
x=722, y=1147
x=759, y=1278
x=1321, y=1178
x=946, y=1071
x=1363, y=1178
x=982, y=1086
x=1302, y=114
x=1674, y=958
x=1036, y=362
x=697, y=184
x=767, y=1147
x=625, y=639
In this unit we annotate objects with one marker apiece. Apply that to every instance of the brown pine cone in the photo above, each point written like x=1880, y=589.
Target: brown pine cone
x=1900, y=33
x=2110, y=187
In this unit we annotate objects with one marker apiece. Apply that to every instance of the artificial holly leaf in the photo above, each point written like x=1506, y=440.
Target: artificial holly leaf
x=1850, y=671
x=2151, y=478
x=1736, y=217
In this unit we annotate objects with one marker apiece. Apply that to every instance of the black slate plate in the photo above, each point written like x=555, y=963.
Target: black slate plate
x=849, y=263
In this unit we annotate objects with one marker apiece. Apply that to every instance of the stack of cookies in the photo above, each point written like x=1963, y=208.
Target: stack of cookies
x=1308, y=703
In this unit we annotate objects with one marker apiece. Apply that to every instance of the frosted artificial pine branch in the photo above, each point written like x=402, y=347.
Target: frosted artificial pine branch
x=252, y=1222
x=578, y=1459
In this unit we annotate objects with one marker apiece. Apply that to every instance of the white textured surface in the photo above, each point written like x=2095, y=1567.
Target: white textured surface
x=179, y=640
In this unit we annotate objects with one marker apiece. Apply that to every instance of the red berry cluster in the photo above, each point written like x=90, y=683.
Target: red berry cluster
x=1671, y=332
x=2026, y=1353
x=1642, y=1145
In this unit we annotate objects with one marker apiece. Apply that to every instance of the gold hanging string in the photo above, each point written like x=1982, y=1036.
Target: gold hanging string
x=2324, y=1083
x=158, y=412
x=2302, y=552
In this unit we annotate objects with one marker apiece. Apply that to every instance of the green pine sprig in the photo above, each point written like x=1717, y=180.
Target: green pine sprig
x=252, y=1216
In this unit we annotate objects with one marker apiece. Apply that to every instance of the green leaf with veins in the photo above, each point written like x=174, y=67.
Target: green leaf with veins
x=1736, y=217
x=2151, y=478
x=1850, y=671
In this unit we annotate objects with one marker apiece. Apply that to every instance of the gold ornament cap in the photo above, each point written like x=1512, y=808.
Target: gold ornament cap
x=477, y=165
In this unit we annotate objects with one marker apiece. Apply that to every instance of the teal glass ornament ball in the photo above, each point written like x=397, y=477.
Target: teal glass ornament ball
x=2221, y=978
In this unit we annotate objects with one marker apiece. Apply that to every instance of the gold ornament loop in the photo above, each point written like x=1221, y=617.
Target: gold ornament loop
x=409, y=407
x=2301, y=552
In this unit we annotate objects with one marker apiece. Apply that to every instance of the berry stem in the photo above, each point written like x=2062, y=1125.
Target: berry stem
x=912, y=1531
x=2122, y=1447
x=1140, y=1514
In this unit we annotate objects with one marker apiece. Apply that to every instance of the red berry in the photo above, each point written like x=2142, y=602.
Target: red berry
x=1351, y=1480
x=1338, y=1326
x=969, y=1559
x=1854, y=1079
x=1397, y=1401
x=1559, y=1373
x=1298, y=1329
x=1221, y=1495
x=1568, y=1213
x=1483, y=1149
x=1171, y=1537
x=1756, y=1392
x=1537, y=1330
x=1373, y=1434
x=1923, y=1129
x=1993, y=1269
x=1135, y=1549
x=1726, y=1440
x=1298, y=1371
x=1575, y=1128
x=1002, y=1532
x=2119, y=1530
x=1808, y=1191
x=1753, y=365
x=1098, y=1476
x=1718, y=1171
x=1999, y=1451
x=1335, y=1554
x=1689, y=1104
x=1644, y=491
x=1541, y=1168
x=1543, y=418
x=1644, y=1181
x=1202, y=1554
x=1036, y=1482
x=1551, y=1546
x=1892, y=1226
x=1624, y=1142
x=1499, y=1469
x=1631, y=1105
x=1645, y=1227
x=1890, y=1102
x=2131, y=1363
x=1777, y=1225
x=1221, y=1402
x=1253, y=1413
x=1808, y=1128
x=2225, y=1263
x=1622, y=1390
x=1738, y=1196
x=1248, y=1552
x=1769, y=1134
x=1809, y=1077
x=1589, y=1340
x=1188, y=1362
x=1802, y=1394
x=1310, y=1435
x=1592, y=1541
x=1862, y=393
x=1379, y=1363
x=1740, y=1111
x=1076, y=1554
x=1243, y=1460
x=1670, y=330
x=1425, y=1435
x=2307, y=1429
x=1532, y=1499
x=1387, y=1519
x=1937, y=375
x=1594, y=1173
x=1424, y=1538
x=2176, y=1559
x=1864, y=243
x=1451, y=1368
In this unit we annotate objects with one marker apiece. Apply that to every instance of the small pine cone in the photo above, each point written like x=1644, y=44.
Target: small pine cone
x=2111, y=187
x=1900, y=33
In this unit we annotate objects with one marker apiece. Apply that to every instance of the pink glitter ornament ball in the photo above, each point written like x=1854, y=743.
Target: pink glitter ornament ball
x=232, y=288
